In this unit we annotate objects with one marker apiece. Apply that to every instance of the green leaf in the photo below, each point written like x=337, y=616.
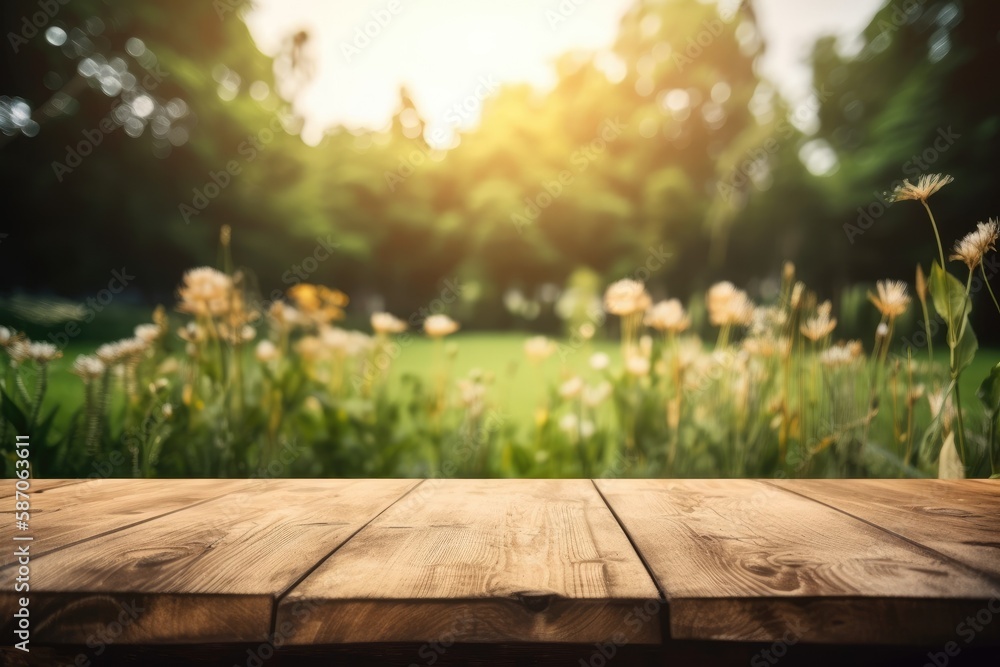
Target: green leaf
x=965, y=351
x=13, y=414
x=989, y=390
x=989, y=394
x=950, y=301
x=950, y=464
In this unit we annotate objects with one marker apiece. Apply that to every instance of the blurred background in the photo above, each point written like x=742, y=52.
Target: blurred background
x=530, y=152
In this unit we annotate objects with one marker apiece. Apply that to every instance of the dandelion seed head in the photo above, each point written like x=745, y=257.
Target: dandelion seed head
x=891, y=298
x=386, y=323
x=571, y=388
x=841, y=354
x=439, y=326
x=973, y=246
x=667, y=316
x=626, y=297
x=148, y=332
x=637, y=365
x=205, y=291
x=88, y=367
x=600, y=361
x=728, y=305
x=926, y=186
x=822, y=325
x=539, y=348
x=266, y=351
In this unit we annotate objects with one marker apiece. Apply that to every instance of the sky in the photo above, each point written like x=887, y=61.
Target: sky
x=451, y=54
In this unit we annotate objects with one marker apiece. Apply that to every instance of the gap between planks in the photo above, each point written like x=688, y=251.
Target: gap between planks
x=278, y=598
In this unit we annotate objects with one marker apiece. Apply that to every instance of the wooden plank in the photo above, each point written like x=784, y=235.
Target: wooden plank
x=481, y=561
x=744, y=560
x=38, y=486
x=956, y=518
x=70, y=514
x=207, y=573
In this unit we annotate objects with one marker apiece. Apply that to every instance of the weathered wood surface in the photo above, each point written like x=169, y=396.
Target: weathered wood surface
x=300, y=563
x=38, y=486
x=210, y=572
x=956, y=519
x=746, y=560
x=78, y=512
x=482, y=560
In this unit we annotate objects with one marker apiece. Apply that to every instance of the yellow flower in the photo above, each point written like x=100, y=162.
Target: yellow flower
x=127, y=350
x=637, y=365
x=439, y=326
x=841, y=354
x=728, y=305
x=266, y=351
x=539, y=348
x=148, y=332
x=926, y=186
x=88, y=367
x=667, y=316
x=571, y=388
x=43, y=353
x=310, y=348
x=320, y=304
x=975, y=244
x=626, y=297
x=205, y=291
x=385, y=323
x=891, y=299
x=820, y=326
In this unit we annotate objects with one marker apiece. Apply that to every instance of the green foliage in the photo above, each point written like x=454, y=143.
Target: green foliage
x=951, y=301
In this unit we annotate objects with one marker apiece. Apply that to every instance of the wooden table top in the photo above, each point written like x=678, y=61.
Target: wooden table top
x=636, y=561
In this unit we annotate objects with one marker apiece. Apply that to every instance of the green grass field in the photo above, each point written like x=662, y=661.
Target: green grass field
x=518, y=386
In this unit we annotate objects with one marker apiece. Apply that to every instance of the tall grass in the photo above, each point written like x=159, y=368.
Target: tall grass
x=237, y=389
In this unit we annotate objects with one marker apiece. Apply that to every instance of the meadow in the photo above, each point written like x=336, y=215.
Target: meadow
x=228, y=385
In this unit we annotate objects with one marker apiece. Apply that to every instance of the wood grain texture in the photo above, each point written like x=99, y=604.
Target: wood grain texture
x=210, y=572
x=478, y=561
x=954, y=518
x=744, y=560
x=69, y=514
x=38, y=486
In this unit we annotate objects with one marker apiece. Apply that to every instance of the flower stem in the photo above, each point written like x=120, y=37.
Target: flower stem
x=961, y=426
x=937, y=236
x=39, y=393
x=982, y=267
x=927, y=331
